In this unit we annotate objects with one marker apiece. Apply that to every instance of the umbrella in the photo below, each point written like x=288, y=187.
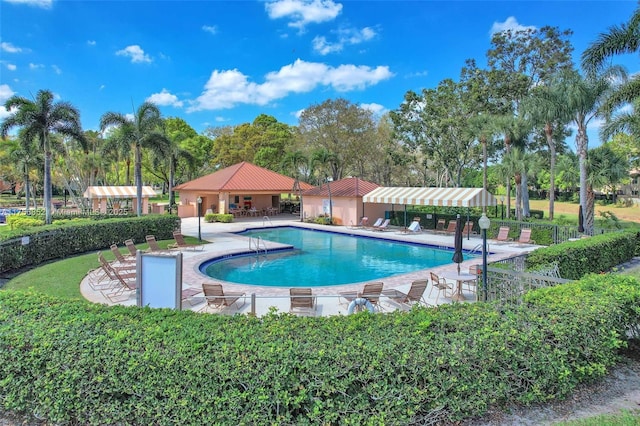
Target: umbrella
x=580, y=220
x=457, y=255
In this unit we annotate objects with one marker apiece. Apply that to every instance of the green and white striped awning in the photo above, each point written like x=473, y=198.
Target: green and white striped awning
x=452, y=197
x=100, y=192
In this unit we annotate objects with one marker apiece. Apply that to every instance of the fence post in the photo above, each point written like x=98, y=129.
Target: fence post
x=253, y=304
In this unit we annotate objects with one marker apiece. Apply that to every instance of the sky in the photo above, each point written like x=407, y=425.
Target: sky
x=219, y=63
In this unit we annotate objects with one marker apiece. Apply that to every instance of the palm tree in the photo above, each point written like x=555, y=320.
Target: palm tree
x=24, y=156
x=626, y=121
x=546, y=107
x=620, y=39
x=39, y=119
x=583, y=98
x=117, y=148
x=143, y=131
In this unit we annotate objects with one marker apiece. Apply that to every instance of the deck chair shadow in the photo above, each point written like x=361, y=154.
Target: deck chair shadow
x=370, y=291
x=181, y=244
x=414, y=296
x=302, y=301
x=216, y=298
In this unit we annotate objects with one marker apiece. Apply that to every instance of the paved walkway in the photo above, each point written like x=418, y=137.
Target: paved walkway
x=223, y=241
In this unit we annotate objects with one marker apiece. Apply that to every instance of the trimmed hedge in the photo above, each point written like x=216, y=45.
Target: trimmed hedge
x=95, y=365
x=71, y=238
x=218, y=217
x=597, y=254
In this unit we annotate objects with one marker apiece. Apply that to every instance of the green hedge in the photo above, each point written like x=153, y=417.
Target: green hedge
x=59, y=241
x=218, y=217
x=597, y=254
x=96, y=365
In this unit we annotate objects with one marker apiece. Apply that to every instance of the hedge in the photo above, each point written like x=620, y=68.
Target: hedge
x=596, y=254
x=218, y=217
x=95, y=365
x=59, y=241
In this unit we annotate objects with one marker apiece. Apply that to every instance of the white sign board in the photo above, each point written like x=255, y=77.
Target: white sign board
x=159, y=279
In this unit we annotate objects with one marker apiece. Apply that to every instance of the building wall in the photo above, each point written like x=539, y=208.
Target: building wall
x=347, y=211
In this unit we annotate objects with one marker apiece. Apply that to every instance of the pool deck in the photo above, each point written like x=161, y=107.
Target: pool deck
x=223, y=241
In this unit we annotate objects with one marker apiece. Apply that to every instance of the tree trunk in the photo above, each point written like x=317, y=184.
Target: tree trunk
x=518, y=180
x=524, y=189
x=47, y=185
x=589, y=218
x=172, y=172
x=26, y=187
x=138, y=175
x=548, y=130
x=582, y=142
x=128, y=174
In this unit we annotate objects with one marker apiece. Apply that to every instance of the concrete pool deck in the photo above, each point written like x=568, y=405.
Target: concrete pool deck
x=223, y=241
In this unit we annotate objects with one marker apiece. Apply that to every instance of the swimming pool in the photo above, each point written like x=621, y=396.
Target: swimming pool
x=321, y=258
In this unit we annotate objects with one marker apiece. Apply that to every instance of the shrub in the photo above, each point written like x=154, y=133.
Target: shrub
x=18, y=221
x=589, y=255
x=59, y=241
x=96, y=365
x=218, y=217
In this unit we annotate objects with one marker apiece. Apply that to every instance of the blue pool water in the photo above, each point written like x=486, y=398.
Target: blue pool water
x=323, y=259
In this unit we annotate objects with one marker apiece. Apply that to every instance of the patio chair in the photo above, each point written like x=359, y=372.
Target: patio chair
x=383, y=226
x=123, y=281
x=188, y=293
x=503, y=234
x=131, y=247
x=217, y=298
x=414, y=296
x=364, y=222
x=451, y=227
x=370, y=291
x=153, y=245
x=414, y=228
x=181, y=244
x=468, y=228
x=525, y=236
x=377, y=223
x=441, y=285
x=302, y=301
x=120, y=258
x=440, y=225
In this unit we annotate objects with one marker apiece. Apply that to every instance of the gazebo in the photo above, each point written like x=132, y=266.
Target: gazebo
x=243, y=186
x=99, y=196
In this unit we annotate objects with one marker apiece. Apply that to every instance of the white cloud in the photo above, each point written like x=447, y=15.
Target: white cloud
x=220, y=119
x=33, y=66
x=227, y=88
x=376, y=109
x=345, y=36
x=91, y=42
x=303, y=12
x=11, y=67
x=10, y=48
x=102, y=86
x=510, y=24
x=45, y=4
x=134, y=52
x=56, y=69
x=5, y=93
x=418, y=74
x=210, y=29
x=164, y=98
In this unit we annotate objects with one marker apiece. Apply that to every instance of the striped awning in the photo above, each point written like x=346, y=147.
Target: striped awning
x=93, y=192
x=452, y=197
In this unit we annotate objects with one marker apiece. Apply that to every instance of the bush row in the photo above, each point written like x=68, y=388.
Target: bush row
x=36, y=245
x=218, y=217
x=596, y=254
x=97, y=365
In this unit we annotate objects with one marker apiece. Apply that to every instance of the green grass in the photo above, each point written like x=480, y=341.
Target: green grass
x=624, y=418
x=62, y=278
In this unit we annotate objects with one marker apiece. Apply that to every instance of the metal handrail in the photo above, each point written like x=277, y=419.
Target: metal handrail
x=268, y=220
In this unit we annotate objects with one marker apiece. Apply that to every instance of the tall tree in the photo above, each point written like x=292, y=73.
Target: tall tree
x=144, y=130
x=39, y=119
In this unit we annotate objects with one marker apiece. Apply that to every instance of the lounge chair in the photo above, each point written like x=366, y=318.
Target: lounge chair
x=122, y=280
x=451, y=227
x=383, y=226
x=525, y=236
x=441, y=285
x=440, y=225
x=370, y=291
x=153, y=245
x=414, y=228
x=413, y=297
x=181, y=244
x=217, y=298
x=364, y=222
x=468, y=228
x=377, y=223
x=503, y=234
x=188, y=293
x=302, y=301
x=122, y=260
x=131, y=247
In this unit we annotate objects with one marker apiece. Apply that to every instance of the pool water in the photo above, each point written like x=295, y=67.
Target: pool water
x=323, y=259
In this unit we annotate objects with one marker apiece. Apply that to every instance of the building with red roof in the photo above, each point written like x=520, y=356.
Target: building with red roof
x=243, y=187
x=343, y=200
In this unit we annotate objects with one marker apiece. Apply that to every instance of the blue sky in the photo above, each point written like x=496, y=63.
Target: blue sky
x=216, y=63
